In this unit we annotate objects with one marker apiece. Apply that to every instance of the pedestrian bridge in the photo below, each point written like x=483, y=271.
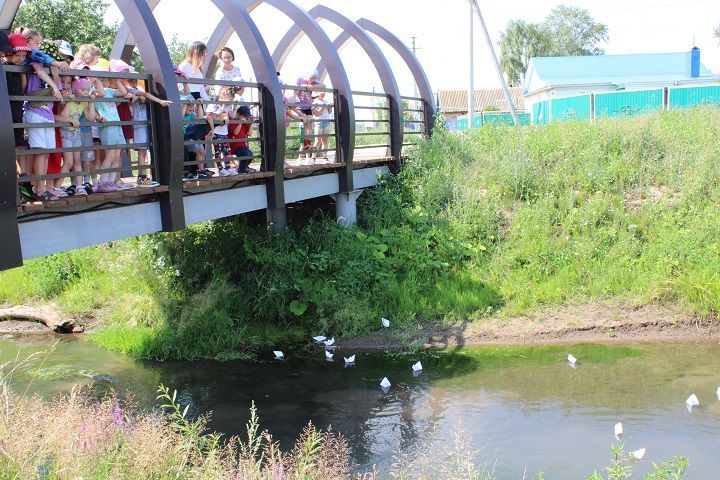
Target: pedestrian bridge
x=371, y=134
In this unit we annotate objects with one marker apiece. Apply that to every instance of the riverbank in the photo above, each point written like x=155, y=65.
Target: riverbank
x=477, y=228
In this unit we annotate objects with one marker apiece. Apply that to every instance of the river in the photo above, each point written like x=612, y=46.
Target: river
x=519, y=408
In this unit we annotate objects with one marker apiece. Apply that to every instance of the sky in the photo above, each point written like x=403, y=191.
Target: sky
x=441, y=29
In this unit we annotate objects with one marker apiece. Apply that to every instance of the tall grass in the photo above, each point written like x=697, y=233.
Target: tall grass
x=491, y=222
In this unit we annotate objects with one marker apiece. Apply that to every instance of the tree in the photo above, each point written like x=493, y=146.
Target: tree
x=565, y=31
x=77, y=21
x=520, y=41
x=716, y=33
x=574, y=32
x=178, y=49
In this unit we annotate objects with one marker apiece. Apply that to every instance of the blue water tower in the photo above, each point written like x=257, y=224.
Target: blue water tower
x=695, y=62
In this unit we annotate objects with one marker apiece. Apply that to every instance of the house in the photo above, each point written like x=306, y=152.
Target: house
x=454, y=103
x=550, y=78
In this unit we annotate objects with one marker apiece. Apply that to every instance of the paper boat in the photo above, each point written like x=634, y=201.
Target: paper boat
x=350, y=359
x=417, y=367
x=572, y=360
x=718, y=393
x=385, y=322
x=692, y=401
x=618, y=430
x=637, y=454
x=329, y=356
x=279, y=355
x=329, y=342
x=385, y=383
x=320, y=338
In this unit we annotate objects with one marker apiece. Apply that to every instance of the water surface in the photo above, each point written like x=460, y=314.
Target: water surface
x=519, y=408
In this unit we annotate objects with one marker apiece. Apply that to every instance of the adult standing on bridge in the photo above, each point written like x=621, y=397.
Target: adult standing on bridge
x=304, y=104
x=190, y=67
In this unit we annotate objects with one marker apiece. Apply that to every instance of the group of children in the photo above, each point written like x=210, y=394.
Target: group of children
x=308, y=105
x=219, y=121
x=78, y=100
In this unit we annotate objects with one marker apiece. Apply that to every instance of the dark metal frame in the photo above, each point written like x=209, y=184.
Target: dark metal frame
x=10, y=248
x=390, y=86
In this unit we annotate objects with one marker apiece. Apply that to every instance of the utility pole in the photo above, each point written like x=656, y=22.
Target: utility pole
x=471, y=86
x=508, y=97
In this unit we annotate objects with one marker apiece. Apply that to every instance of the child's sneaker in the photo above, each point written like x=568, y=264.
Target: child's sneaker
x=59, y=192
x=88, y=187
x=80, y=190
x=143, y=181
x=203, y=176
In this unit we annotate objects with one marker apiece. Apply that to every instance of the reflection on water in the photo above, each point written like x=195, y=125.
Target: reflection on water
x=524, y=407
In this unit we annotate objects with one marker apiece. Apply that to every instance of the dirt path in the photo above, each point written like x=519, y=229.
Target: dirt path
x=596, y=322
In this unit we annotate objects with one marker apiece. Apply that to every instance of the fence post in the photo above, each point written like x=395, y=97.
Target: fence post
x=592, y=107
x=345, y=140
x=169, y=169
x=273, y=153
x=396, y=127
x=666, y=99
x=10, y=248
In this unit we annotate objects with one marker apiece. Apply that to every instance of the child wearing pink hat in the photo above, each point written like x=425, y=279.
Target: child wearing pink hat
x=71, y=136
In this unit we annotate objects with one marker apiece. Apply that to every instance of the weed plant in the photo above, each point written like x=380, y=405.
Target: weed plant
x=496, y=221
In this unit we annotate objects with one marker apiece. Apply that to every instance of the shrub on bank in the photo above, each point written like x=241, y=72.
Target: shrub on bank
x=495, y=221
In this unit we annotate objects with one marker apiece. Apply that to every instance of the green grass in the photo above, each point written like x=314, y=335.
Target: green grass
x=496, y=221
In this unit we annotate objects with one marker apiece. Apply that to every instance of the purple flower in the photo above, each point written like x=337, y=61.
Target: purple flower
x=117, y=416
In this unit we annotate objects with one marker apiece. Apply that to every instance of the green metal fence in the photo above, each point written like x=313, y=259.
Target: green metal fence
x=690, y=97
x=541, y=112
x=571, y=108
x=628, y=104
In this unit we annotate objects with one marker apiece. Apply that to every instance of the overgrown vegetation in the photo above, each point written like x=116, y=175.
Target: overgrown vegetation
x=494, y=222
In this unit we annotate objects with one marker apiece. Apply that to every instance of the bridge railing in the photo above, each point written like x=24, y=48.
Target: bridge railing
x=372, y=127
x=210, y=157
x=414, y=121
x=73, y=174
x=320, y=129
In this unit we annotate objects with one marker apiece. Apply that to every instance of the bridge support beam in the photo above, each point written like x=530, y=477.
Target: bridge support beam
x=346, y=208
x=277, y=218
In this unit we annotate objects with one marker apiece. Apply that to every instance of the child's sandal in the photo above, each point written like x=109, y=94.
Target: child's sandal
x=48, y=197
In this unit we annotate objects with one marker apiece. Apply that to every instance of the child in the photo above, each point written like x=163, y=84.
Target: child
x=322, y=110
x=222, y=112
x=110, y=135
x=240, y=131
x=39, y=112
x=196, y=132
x=86, y=57
x=138, y=110
x=34, y=39
x=228, y=71
x=71, y=136
x=292, y=112
x=304, y=100
x=16, y=86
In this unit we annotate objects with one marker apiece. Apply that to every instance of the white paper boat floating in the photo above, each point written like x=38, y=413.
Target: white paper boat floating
x=637, y=454
x=385, y=322
x=692, y=401
x=279, y=355
x=718, y=392
x=329, y=342
x=571, y=360
x=329, y=356
x=618, y=430
x=417, y=367
x=350, y=359
x=385, y=383
x=319, y=338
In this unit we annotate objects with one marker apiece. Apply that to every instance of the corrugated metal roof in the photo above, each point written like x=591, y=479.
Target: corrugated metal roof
x=456, y=101
x=615, y=69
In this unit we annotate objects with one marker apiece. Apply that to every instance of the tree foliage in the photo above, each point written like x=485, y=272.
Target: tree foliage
x=178, y=49
x=716, y=33
x=565, y=31
x=77, y=21
x=574, y=32
x=520, y=41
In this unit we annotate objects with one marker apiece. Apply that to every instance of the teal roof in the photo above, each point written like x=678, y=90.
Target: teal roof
x=618, y=69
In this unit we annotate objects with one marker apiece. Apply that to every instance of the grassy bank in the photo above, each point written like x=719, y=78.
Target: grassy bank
x=494, y=222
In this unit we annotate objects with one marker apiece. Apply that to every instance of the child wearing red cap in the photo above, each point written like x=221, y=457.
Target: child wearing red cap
x=39, y=112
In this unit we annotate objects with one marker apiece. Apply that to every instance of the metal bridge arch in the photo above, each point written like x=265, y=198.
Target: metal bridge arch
x=345, y=110
x=408, y=57
x=156, y=60
x=390, y=86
